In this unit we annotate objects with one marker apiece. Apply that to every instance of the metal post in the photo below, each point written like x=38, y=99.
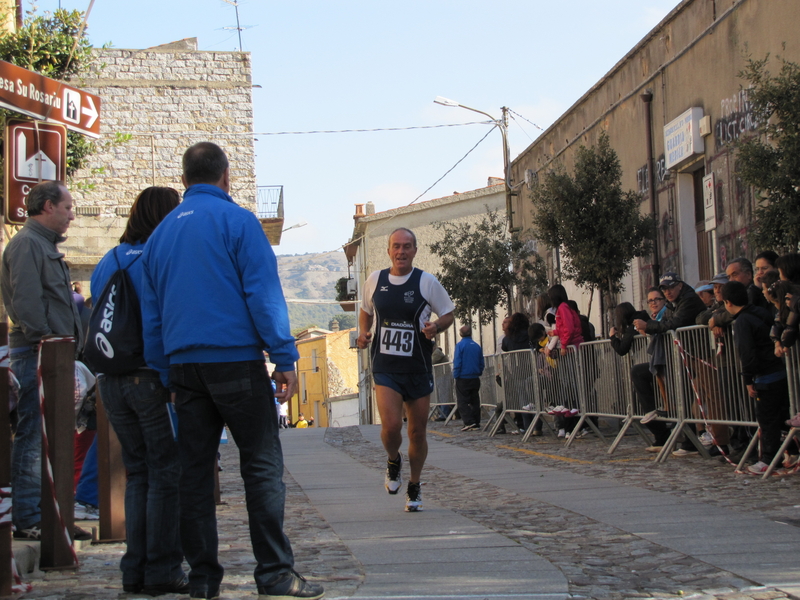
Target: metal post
x=5, y=465
x=58, y=378
x=111, y=479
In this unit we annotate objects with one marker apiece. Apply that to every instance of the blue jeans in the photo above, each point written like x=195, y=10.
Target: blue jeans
x=87, y=491
x=26, y=454
x=239, y=394
x=136, y=406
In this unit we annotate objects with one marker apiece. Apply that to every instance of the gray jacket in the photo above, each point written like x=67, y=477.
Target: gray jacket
x=36, y=288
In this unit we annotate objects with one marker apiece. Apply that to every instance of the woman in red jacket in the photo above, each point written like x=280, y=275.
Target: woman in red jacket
x=567, y=331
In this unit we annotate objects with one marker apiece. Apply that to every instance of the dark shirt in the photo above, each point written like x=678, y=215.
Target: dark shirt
x=516, y=341
x=751, y=327
x=622, y=345
x=683, y=312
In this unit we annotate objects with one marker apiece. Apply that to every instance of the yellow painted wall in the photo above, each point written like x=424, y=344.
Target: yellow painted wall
x=336, y=374
x=310, y=403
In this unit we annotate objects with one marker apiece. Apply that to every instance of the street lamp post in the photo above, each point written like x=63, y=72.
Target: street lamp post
x=502, y=125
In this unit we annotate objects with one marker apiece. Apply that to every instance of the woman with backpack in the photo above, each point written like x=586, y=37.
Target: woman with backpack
x=136, y=404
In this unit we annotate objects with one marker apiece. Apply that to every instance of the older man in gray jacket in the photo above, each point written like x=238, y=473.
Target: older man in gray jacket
x=35, y=283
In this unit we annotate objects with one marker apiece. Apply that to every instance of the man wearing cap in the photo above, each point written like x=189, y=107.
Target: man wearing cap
x=683, y=307
x=704, y=317
x=705, y=289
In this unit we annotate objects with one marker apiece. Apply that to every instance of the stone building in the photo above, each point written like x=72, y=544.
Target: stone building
x=366, y=252
x=681, y=82
x=156, y=103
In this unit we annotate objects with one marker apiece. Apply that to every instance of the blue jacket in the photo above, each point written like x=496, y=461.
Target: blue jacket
x=468, y=360
x=126, y=254
x=210, y=287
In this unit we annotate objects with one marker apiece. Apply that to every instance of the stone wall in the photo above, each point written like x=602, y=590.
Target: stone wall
x=166, y=98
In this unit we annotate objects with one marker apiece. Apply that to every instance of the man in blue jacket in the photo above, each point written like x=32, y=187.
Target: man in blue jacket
x=212, y=304
x=467, y=371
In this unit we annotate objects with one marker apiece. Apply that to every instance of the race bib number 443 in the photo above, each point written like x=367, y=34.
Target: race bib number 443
x=397, y=338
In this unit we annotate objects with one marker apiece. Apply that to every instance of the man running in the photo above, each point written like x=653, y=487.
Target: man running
x=403, y=298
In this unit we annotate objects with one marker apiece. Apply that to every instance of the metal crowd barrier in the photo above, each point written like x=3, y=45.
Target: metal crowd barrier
x=700, y=384
x=516, y=387
x=444, y=391
x=490, y=389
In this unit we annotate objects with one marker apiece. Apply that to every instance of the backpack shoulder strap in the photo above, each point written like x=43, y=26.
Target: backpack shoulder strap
x=138, y=256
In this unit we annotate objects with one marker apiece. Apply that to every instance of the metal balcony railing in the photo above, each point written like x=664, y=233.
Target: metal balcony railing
x=270, y=202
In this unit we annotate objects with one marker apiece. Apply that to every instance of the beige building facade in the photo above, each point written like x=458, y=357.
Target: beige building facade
x=685, y=73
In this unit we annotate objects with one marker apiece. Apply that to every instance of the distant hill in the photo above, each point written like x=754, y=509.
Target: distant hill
x=311, y=276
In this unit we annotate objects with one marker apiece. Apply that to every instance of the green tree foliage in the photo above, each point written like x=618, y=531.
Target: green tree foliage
x=770, y=162
x=346, y=321
x=341, y=290
x=596, y=225
x=45, y=44
x=303, y=316
x=481, y=265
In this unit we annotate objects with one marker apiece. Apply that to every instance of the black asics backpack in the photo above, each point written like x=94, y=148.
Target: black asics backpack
x=114, y=343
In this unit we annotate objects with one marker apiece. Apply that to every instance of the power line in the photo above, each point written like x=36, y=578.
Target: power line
x=371, y=130
x=528, y=120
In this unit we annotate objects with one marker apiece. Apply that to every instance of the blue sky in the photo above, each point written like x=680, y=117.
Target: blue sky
x=364, y=64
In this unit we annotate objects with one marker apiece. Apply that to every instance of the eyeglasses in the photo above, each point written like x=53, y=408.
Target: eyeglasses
x=652, y=300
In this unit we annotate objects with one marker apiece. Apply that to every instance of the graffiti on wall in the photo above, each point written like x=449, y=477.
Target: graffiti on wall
x=736, y=117
x=661, y=174
x=732, y=246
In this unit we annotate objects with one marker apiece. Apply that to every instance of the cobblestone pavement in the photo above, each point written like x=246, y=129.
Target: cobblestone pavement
x=319, y=554
x=598, y=560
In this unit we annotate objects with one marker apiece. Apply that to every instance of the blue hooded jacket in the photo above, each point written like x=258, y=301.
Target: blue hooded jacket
x=210, y=287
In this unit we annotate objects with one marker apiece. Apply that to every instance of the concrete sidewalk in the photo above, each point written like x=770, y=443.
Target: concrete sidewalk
x=440, y=553
x=431, y=554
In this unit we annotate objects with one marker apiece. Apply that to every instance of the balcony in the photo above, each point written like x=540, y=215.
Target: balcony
x=269, y=207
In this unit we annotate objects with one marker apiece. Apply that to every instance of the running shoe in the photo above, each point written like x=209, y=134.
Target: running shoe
x=654, y=449
x=686, y=452
x=706, y=439
x=759, y=468
x=34, y=533
x=469, y=427
x=652, y=415
x=562, y=433
x=413, y=498
x=394, y=477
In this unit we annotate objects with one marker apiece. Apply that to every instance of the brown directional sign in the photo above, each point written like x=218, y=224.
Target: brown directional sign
x=34, y=152
x=40, y=97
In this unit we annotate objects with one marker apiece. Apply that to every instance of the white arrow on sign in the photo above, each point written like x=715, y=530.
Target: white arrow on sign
x=90, y=111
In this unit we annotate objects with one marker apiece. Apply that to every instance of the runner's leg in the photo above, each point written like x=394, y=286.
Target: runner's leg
x=417, y=411
x=390, y=408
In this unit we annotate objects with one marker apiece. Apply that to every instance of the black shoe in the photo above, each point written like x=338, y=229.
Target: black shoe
x=81, y=535
x=501, y=430
x=715, y=451
x=204, y=593
x=290, y=585
x=132, y=588
x=177, y=586
x=32, y=533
